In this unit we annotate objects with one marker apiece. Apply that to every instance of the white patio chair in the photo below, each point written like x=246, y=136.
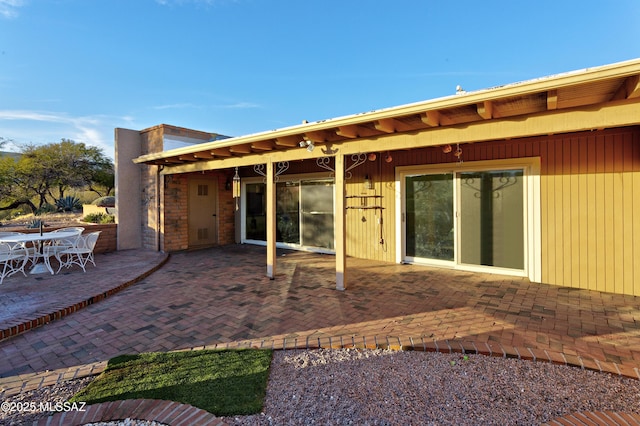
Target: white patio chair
x=12, y=234
x=57, y=246
x=13, y=258
x=81, y=253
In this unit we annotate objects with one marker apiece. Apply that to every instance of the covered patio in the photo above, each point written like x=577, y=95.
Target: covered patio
x=526, y=179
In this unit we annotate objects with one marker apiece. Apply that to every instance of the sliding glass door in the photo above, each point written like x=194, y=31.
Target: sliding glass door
x=492, y=218
x=468, y=217
x=429, y=217
x=304, y=213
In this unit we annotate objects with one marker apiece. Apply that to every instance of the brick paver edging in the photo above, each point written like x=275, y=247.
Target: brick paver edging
x=441, y=346
x=178, y=414
x=16, y=385
x=605, y=418
x=166, y=412
x=62, y=312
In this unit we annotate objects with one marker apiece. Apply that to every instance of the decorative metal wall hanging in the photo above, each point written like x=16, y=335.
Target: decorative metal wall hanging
x=281, y=167
x=357, y=159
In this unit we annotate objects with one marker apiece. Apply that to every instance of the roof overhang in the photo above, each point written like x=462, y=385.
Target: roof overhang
x=594, y=98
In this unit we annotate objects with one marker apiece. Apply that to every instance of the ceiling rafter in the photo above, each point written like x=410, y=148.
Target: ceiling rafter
x=350, y=132
x=485, y=110
x=392, y=125
x=317, y=136
x=262, y=145
x=431, y=118
x=203, y=154
x=552, y=99
x=222, y=152
x=355, y=131
x=172, y=161
x=289, y=141
x=188, y=157
x=630, y=88
x=240, y=149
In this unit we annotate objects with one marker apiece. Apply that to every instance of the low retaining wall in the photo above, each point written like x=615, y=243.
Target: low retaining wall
x=106, y=243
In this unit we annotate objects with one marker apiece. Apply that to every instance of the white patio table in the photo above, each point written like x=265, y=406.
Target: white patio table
x=38, y=241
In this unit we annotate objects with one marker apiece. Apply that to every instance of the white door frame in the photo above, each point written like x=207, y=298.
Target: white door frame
x=532, y=221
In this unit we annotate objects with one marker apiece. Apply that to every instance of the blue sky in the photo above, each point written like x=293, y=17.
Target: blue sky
x=77, y=69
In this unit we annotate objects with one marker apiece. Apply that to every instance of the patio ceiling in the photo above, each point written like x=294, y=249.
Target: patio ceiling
x=591, y=89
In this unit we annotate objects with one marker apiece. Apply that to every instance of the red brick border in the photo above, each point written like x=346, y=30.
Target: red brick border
x=604, y=418
x=29, y=324
x=167, y=412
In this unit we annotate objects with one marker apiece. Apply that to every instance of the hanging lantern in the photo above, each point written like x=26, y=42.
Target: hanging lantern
x=236, y=185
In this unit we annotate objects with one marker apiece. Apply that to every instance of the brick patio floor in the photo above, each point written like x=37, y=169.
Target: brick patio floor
x=218, y=297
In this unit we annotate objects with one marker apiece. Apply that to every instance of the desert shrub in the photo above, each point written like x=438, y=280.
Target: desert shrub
x=68, y=203
x=99, y=218
x=46, y=208
x=35, y=224
x=105, y=201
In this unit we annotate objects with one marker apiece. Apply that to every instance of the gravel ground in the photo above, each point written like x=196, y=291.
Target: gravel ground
x=350, y=387
x=378, y=387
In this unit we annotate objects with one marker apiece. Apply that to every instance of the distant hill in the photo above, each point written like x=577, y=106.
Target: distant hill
x=10, y=154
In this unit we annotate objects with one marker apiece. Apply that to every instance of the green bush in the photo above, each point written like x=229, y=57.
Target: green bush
x=68, y=203
x=47, y=208
x=99, y=218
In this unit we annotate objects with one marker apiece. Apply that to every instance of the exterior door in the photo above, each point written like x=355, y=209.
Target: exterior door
x=316, y=199
x=468, y=219
x=203, y=209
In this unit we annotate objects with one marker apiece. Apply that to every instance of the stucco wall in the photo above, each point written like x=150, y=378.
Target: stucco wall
x=127, y=189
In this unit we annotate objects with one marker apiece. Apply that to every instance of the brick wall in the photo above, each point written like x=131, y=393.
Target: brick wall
x=175, y=215
x=175, y=220
x=226, y=212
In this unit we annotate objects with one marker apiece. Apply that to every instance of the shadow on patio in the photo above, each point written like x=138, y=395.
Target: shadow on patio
x=221, y=296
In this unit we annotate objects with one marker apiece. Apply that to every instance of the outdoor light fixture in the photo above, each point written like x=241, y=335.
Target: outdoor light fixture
x=367, y=182
x=308, y=144
x=227, y=184
x=236, y=185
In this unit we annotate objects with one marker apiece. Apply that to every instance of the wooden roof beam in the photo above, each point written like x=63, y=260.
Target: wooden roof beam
x=288, y=141
x=240, y=149
x=552, y=100
x=222, y=152
x=188, y=157
x=431, y=118
x=355, y=131
x=350, y=132
x=173, y=160
x=485, y=110
x=318, y=136
x=203, y=154
x=391, y=125
x=630, y=88
x=262, y=145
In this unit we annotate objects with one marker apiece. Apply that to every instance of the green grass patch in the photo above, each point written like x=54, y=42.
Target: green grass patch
x=223, y=382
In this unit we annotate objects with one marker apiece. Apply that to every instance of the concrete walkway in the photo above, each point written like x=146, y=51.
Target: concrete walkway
x=220, y=297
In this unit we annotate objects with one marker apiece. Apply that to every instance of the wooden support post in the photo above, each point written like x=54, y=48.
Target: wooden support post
x=340, y=225
x=271, y=221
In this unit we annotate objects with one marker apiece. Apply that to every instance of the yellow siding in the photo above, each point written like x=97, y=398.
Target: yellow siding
x=371, y=231
x=589, y=206
x=589, y=203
